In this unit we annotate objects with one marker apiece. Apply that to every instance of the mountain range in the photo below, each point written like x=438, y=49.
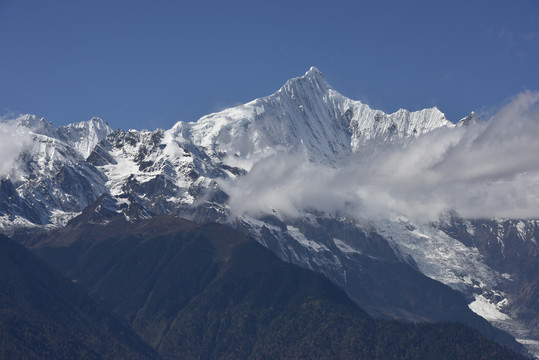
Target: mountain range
x=320, y=180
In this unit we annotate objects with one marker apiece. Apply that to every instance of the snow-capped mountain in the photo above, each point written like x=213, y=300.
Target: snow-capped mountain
x=51, y=182
x=305, y=115
x=196, y=169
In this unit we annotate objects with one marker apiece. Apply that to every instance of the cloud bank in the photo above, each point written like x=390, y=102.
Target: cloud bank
x=13, y=141
x=483, y=171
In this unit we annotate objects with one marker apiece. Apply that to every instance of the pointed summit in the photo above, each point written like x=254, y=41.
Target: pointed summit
x=84, y=135
x=313, y=71
x=314, y=74
x=471, y=119
x=312, y=81
x=35, y=124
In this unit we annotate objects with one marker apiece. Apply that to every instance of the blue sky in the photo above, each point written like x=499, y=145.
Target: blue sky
x=148, y=64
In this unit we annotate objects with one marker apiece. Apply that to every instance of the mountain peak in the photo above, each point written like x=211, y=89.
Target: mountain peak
x=314, y=74
x=84, y=135
x=35, y=124
x=471, y=119
x=313, y=71
x=94, y=122
x=97, y=120
x=312, y=80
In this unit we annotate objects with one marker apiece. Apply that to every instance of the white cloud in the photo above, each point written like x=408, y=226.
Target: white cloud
x=287, y=184
x=485, y=170
x=13, y=141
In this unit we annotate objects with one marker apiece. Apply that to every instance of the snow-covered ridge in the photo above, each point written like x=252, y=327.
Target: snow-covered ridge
x=305, y=115
x=81, y=136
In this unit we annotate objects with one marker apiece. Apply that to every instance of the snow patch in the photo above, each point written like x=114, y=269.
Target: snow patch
x=506, y=276
x=489, y=311
x=297, y=235
x=469, y=228
x=521, y=228
x=60, y=218
x=345, y=248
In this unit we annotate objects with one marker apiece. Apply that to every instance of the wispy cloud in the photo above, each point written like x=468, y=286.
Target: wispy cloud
x=503, y=33
x=447, y=77
x=13, y=141
x=485, y=170
x=531, y=36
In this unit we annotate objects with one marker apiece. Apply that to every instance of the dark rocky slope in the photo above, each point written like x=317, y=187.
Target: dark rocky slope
x=45, y=316
x=204, y=291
